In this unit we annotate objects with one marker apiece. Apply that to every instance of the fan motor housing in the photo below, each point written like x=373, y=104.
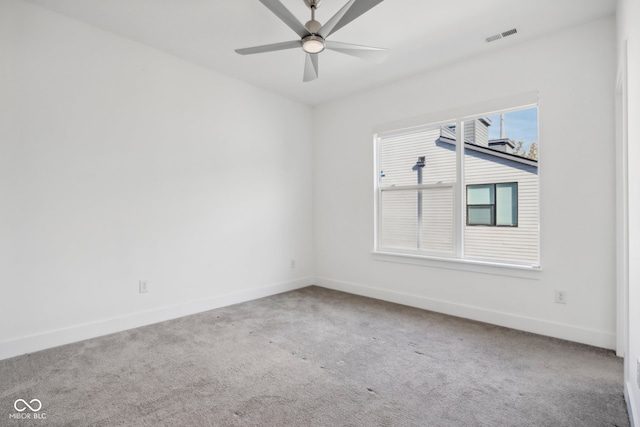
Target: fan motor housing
x=313, y=26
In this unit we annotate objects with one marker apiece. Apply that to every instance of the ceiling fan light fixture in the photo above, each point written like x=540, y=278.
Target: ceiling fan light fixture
x=313, y=34
x=313, y=44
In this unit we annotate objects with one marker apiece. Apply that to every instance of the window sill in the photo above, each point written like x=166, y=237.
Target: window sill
x=485, y=267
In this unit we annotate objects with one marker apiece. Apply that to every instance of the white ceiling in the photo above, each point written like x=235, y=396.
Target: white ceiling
x=419, y=34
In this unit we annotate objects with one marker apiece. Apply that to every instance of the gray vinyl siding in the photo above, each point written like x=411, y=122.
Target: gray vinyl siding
x=504, y=243
x=398, y=212
x=399, y=154
x=476, y=133
x=437, y=219
x=470, y=131
x=399, y=225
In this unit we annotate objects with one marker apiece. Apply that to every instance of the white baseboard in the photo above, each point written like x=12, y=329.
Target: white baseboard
x=632, y=405
x=539, y=326
x=54, y=338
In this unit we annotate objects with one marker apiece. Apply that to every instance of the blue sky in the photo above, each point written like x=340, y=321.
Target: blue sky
x=521, y=125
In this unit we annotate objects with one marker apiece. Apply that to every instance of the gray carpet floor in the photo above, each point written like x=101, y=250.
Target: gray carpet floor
x=316, y=357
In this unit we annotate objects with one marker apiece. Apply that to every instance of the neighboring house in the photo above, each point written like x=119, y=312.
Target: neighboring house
x=500, y=203
x=491, y=162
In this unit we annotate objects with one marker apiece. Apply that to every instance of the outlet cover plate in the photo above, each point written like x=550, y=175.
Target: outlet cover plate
x=561, y=296
x=143, y=286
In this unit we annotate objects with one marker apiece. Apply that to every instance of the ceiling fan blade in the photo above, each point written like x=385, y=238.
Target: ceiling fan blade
x=376, y=54
x=349, y=12
x=269, y=47
x=310, y=67
x=287, y=17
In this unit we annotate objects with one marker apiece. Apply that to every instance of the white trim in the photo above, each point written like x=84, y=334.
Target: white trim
x=538, y=326
x=417, y=187
x=632, y=409
x=57, y=337
x=622, y=208
x=463, y=264
x=376, y=189
x=458, y=203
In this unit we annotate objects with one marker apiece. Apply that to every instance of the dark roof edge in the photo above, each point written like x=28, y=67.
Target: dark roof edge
x=492, y=152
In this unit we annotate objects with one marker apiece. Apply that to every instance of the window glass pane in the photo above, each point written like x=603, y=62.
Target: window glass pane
x=480, y=194
x=501, y=150
x=400, y=158
x=399, y=219
x=507, y=204
x=436, y=233
x=480, y=215
x=515, y=132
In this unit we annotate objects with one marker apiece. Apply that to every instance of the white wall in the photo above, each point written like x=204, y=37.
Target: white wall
x=574, y=74
x=119, y=163
x=628, y=16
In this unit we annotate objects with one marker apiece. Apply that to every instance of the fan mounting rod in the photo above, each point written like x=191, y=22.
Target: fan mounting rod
x=313, y=27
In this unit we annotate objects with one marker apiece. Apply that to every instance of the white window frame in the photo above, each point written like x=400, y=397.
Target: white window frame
x=455, y=260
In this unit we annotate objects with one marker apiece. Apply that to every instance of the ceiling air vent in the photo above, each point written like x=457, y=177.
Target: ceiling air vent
x=501, y=35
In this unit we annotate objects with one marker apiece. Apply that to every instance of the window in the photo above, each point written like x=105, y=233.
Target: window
x=465, y=189
x=493, y=204
x=416, y=192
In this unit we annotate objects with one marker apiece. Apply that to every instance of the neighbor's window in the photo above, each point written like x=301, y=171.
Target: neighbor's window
x=467, y=189
x=493, y=204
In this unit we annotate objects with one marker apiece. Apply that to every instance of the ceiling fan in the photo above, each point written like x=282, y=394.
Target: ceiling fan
x=313, y=35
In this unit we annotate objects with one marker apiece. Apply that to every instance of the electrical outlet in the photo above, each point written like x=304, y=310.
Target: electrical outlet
x=143, y=286
x=293, y=264
x=561, y=296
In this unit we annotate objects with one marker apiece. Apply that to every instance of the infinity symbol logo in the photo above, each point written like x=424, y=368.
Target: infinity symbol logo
x=26, y=405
